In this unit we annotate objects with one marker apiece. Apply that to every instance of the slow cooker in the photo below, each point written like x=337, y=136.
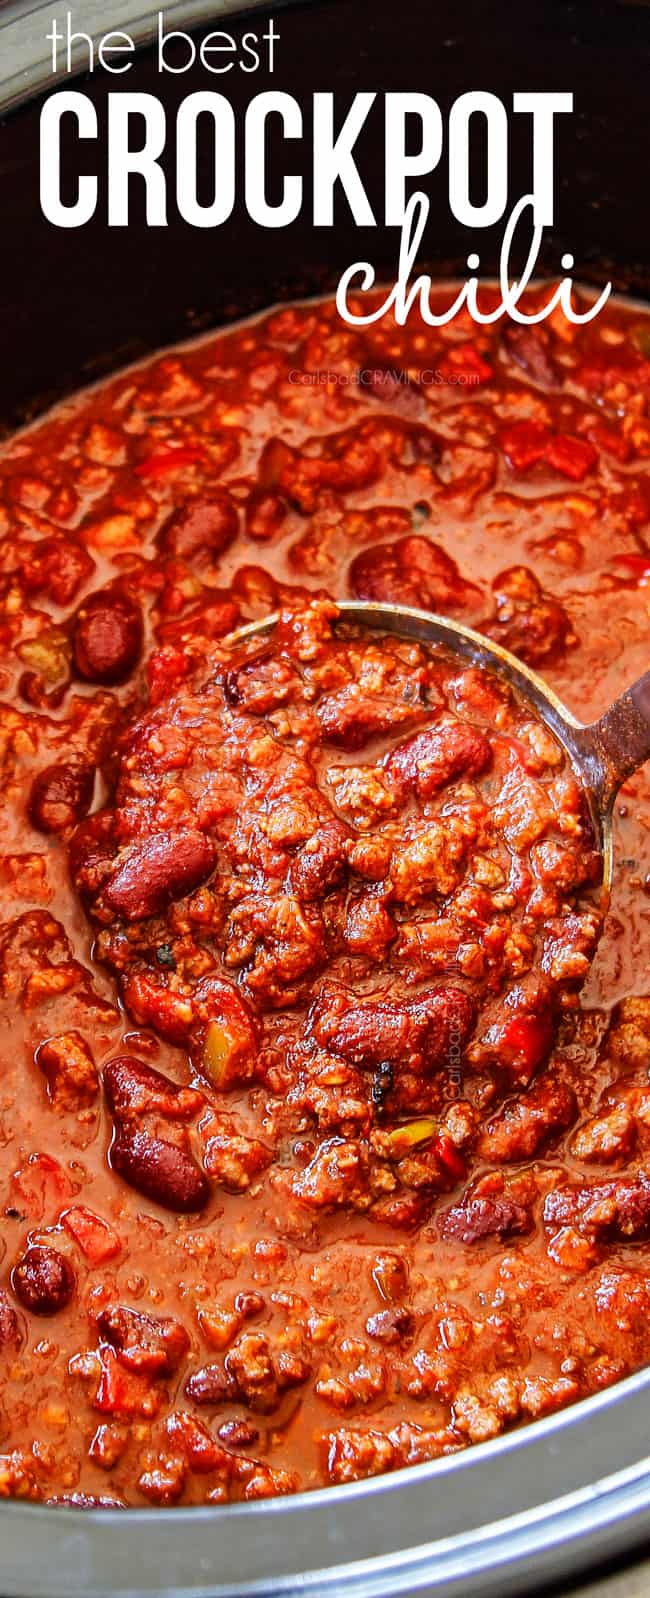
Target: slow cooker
x=570, y=1492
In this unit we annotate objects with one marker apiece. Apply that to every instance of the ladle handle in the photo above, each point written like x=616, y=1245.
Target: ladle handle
x=620, y=741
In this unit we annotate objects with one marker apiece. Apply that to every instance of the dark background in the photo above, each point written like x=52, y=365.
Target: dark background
x=79, y=302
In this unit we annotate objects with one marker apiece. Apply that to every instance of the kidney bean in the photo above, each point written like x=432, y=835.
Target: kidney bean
x=449, y=749
x=159, y=1170
x=261, y=685
x=320, y=864
x=158, y=871
x=265, y=513
x=43, y=1280
x=238, y=1433
x=374, y=1033
x=107, y=637
x=475, y=1218
x=91, y=850
x=204, y=528
x=11, y=1334
x=366, y=1034
x=371, y=1033
x=276, y=458
x=529, y=348
x=211, y=1385
x=393, y=387
x=154, y=1345
x=60, y=796
x=411, y=571
x=133, y=1088
x=528, y=621
x=256, y=590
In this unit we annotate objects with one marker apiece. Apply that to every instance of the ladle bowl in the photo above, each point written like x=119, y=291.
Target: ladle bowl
x=602, y=753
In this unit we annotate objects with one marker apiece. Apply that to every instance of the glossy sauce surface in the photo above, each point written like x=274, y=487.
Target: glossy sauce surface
x=312, y=1302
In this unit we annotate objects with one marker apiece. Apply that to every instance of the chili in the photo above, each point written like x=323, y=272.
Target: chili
x=325, y=1105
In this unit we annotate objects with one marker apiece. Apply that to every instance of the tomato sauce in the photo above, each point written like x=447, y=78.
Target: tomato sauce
x=324, y=1107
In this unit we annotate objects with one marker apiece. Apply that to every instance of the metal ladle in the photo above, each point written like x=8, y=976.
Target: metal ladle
x=602, y=753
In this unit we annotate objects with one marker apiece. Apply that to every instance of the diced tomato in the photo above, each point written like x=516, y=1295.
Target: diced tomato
x=207, y=621
x=119, y=1392
x=166, y=668
x=634, y=503
x=572, y=457
x=524, y=443
x=167, y=461
x=152, y=1004
x=623, y=366
x=95, y=1237
x=465, y=364
x=39, y=1185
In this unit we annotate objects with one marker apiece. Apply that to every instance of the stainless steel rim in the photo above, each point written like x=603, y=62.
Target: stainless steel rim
x=554, y=1497
x=427, y=627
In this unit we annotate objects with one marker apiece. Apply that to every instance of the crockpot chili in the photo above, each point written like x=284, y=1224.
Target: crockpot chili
x=323, y=1124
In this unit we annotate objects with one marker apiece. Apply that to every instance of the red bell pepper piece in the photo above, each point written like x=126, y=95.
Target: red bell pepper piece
x=450, y=1158
x=39, y=1184
x=169, y=460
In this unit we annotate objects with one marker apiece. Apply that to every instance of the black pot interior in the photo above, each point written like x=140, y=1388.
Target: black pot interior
x=77, y=304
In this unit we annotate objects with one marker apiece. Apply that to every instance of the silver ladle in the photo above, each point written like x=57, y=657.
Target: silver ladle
x=602, y=753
